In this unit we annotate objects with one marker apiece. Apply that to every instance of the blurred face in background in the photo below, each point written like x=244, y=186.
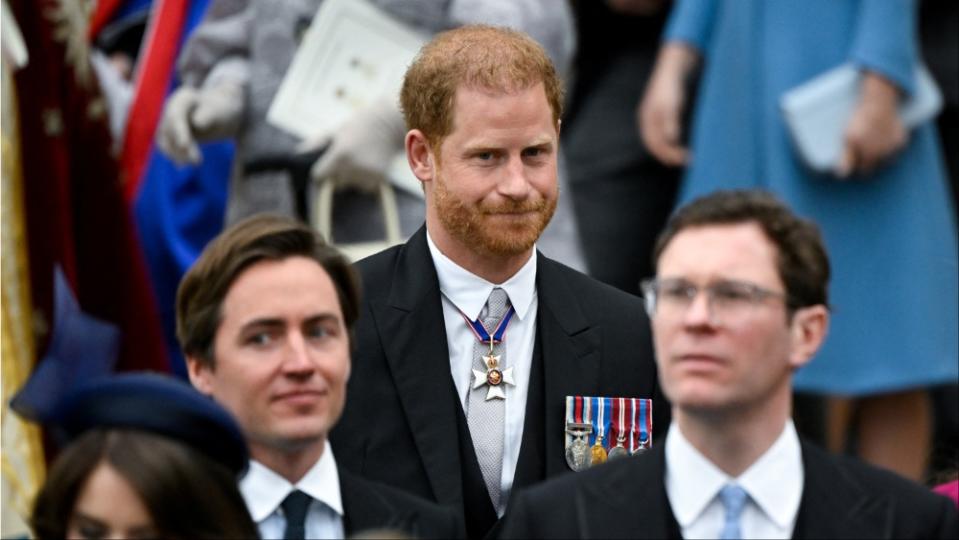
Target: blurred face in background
x=734, y=350
x=107, y=506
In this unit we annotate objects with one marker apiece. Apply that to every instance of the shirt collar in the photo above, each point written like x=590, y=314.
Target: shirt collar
x=264, y=490
x=692, y=481
x=774, y=482
x=469, y=292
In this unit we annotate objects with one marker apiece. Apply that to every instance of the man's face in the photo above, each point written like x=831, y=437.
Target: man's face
x=735, y=357
x=495, y=186
x=281, y=355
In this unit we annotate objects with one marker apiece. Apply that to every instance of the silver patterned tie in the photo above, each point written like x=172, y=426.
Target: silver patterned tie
x=485, y=417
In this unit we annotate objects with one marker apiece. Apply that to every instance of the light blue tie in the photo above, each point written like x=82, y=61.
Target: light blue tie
x=733, y=498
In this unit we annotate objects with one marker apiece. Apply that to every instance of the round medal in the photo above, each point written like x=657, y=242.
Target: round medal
x=642, y=447
x=617, y=452
x=494, y=377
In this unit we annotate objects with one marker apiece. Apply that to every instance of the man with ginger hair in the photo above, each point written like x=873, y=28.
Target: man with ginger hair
x=469, y=340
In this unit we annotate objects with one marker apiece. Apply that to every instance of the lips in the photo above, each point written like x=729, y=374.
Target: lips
x=300, y=397
x=511, y=215
x=703, y=359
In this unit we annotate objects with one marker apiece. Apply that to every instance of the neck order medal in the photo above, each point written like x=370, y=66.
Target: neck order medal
x=494, y=377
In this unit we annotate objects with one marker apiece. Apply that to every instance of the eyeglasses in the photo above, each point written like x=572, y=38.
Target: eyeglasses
x=673, y=297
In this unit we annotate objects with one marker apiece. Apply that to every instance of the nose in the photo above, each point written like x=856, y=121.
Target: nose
x=297, y=360
x=700, y=311
x=515, y=184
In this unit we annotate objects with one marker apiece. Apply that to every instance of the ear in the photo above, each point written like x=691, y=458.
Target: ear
x=808, y=331
x=201, y=374
x=420, y=156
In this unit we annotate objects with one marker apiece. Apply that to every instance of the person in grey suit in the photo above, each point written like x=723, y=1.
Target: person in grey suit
x=739, y=302
x=265, y=320
x=450, y=399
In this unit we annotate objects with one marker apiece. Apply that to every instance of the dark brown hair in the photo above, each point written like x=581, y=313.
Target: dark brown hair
x=475, y=56
x=187, y=494
x=199, y=299
x=801, y=258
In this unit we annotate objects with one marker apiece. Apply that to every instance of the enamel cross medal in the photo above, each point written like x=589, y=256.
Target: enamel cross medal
x=495, y=377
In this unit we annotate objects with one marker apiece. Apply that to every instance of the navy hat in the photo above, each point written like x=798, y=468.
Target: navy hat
x=158, y=404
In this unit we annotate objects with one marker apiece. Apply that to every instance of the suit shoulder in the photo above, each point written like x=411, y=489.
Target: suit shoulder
x=376, y=270
x=558, y=507
x=433, y=520
x=912, y=499
x=379, y=263
x=553, y=492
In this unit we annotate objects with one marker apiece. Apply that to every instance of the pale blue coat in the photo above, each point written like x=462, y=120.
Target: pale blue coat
x=891, y=236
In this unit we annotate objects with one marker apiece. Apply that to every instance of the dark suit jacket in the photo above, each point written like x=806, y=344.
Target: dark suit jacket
x=368, y=506
x=842, y=498
x=400, y=422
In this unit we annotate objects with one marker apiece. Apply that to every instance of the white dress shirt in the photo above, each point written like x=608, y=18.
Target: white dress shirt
x=264, y=491
x=465, y=293
x=774, y=484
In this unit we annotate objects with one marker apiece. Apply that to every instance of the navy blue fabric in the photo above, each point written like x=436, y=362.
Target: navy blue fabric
x=158, y=404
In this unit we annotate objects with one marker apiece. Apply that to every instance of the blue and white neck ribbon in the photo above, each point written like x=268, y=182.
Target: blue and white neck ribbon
x=495, y=376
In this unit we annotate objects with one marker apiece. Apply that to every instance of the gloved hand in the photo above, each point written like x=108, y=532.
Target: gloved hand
x=360, y=152
x=202, y=115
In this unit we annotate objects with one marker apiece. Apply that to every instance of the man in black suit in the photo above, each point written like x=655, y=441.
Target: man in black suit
x=265, y=319
x=469, y=340
x=732, y=465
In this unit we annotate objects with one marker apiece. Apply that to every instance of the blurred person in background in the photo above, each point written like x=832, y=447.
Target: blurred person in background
x=738, y=304
x=621, y=193
x=885, y=210
x=132, y=470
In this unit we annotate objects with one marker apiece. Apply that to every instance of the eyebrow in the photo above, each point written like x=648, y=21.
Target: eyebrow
x=276, y=322
x=79, y=515
x=143, y=531
x=488, y=146
x=546, y=140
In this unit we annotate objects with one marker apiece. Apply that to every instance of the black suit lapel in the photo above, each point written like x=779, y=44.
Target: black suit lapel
x=570, y=350
x=530, y=466
x=835, y=505
x=414, y=339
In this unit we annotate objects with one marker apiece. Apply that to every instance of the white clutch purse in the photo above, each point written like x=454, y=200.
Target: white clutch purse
x=817, y=111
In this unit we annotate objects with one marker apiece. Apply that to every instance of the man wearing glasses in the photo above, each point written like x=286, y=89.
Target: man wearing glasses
x=738, y=304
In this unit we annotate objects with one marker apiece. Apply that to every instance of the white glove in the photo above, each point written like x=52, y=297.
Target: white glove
x=193, y=115
x=363, y=148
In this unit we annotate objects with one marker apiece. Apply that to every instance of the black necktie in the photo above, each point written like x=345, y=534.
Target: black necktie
x=294, y=510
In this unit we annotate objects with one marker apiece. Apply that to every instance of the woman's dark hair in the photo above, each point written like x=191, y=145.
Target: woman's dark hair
x=187, y=494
